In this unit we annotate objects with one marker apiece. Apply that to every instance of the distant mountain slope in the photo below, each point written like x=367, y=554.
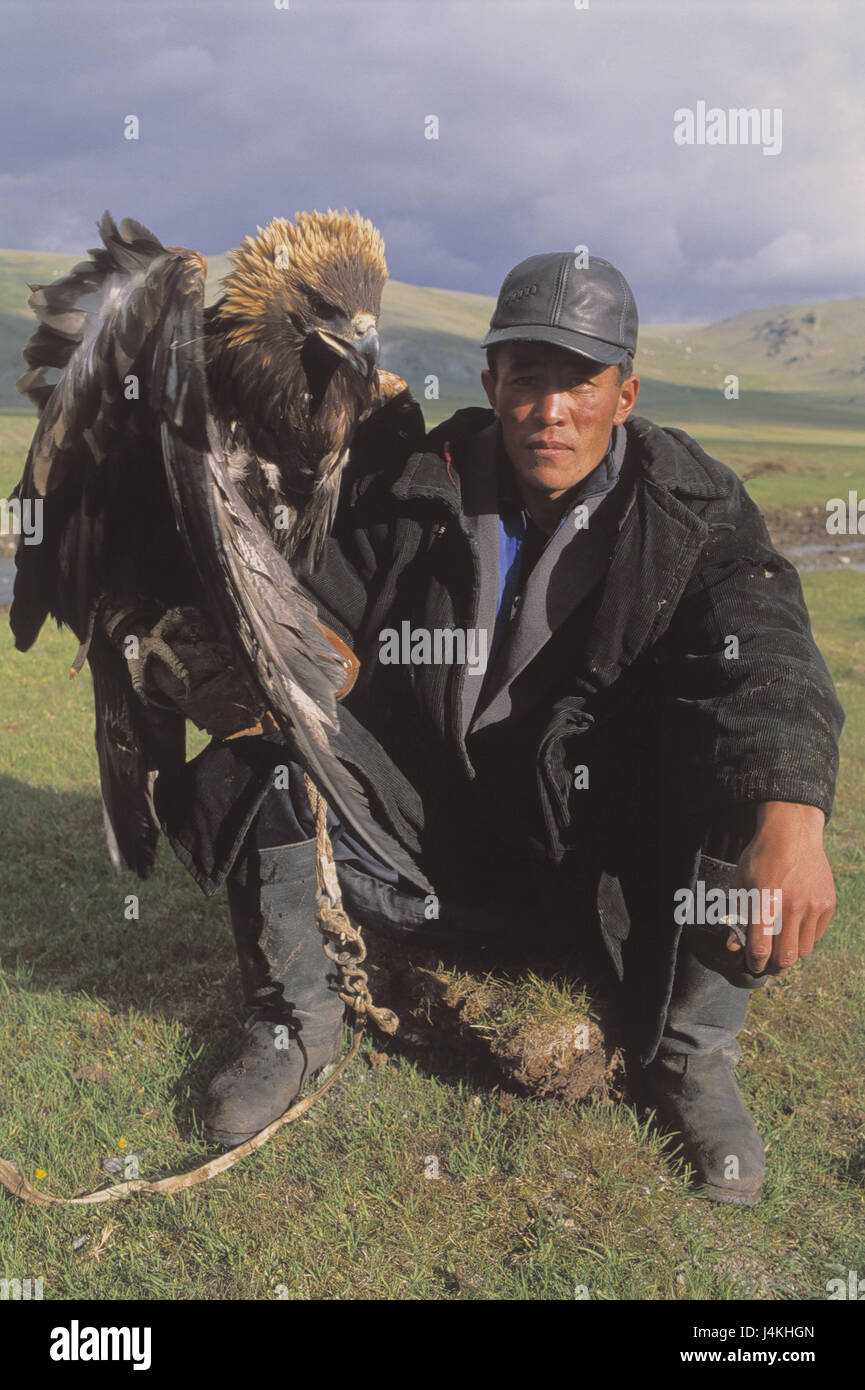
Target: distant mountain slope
x=791, y=347
x=796, y=364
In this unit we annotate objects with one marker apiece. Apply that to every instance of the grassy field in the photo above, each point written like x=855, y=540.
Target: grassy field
x=111, y=1027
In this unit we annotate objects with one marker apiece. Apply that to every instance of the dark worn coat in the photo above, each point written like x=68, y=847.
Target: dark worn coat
x=678, y=732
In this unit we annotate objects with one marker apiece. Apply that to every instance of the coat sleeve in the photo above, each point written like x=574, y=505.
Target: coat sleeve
x=359, y=553
x=751, y=712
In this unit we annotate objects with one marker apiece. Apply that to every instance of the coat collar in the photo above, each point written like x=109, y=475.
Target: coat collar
x=671, y=459
x=571, y=564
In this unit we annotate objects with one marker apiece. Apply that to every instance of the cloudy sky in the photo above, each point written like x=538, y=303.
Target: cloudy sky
x=555, y=129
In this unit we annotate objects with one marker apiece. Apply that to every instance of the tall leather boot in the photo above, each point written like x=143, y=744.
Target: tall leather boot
x=295, y=1021
x=692, y=1086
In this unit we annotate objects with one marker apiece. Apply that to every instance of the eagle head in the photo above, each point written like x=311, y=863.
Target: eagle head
x=307, y=294
x=292, y=353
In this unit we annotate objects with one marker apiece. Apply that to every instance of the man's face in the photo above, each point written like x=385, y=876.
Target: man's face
x=557, y=410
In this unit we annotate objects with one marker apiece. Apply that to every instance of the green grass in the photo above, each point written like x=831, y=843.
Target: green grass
x=16, y=431
x=532, y=1199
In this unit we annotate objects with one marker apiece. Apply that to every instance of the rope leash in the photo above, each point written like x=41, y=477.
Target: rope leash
x=12, y=1180
x=349, y=955
x=333, y=922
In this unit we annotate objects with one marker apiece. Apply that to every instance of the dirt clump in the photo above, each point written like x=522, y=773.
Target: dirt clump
x=541, y=1034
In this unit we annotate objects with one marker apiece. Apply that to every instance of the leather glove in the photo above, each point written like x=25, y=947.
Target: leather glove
x=181, y=657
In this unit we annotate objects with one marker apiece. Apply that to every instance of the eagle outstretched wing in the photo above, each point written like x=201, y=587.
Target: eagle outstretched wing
x=129, y=464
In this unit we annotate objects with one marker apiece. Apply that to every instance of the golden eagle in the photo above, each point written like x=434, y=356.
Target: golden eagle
x=183, y=456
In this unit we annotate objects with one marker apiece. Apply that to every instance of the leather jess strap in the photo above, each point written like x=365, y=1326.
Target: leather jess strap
x=350, y=662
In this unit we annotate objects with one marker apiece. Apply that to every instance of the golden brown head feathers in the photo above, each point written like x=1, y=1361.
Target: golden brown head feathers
x=292, y=350
x=320, y=262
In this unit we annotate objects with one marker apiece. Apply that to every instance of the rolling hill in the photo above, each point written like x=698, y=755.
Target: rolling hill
x=798, y=365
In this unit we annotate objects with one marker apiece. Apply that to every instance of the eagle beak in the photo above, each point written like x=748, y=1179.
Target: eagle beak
x=361, y=352
x=367, y=351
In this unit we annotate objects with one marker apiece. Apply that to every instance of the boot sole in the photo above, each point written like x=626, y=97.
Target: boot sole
x=228, y=1141
x=721, y=1194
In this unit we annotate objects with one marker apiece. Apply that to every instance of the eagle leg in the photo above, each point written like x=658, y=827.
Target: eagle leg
x=84, y=647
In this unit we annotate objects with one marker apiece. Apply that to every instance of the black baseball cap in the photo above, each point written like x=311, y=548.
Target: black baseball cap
x=552, y=299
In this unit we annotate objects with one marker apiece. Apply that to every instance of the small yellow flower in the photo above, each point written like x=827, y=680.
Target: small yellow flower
x=40, y=1173
x=121, y=1143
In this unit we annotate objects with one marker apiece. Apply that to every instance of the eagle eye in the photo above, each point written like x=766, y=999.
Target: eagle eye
x=322, y=308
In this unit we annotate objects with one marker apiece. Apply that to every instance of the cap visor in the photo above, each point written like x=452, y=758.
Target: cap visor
x=595, y=348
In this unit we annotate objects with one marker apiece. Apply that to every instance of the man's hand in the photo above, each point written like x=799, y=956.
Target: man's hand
x=787, y=853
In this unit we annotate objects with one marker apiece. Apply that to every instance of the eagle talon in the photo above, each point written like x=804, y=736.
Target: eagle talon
x=154, y=645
